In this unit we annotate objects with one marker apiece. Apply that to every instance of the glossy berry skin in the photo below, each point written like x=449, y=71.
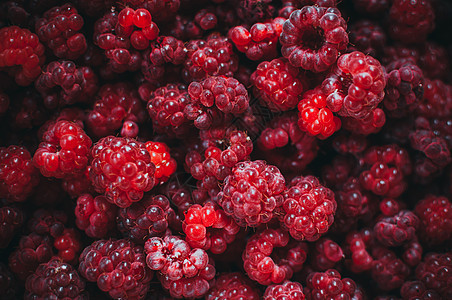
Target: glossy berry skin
x=397, y=230
x=233, y=286
x=68, y=245
x=136, y=25
x=118, y=267
x=313, y=36
x=18, y=176
x=330, y=285
x=262, y=262
x=55, y=280
x=252, y=193
x=417, y=290
x=165, y=165
x=21, y=54
x=121, y=169
x=327, y=254
x=434, y=273
x=278, y=84
x=59, y=29
x=95, y=215
x=184, y=271
x=11, y=220
x=63, y=151
x=435, y=215
x=287, y=290
x=308, y=208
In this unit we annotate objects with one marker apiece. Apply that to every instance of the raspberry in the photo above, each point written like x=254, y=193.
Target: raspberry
x=329, y=285
x=122, y=170
x=287, y=290
x=48, y=222
x=209, y=228
x=358, y=258
x=63, y=151
x=252, y=11
x=62, y=83
x=336, y=173
x=308, y=208
x=355, y=86
x=417, y=290
x=59, y=30
x=130, y=19
x=205, y=19
x=95, y=215
x=372, y=123
x=389, y=207
x=21, y=54
x=233, y=286
x=78, y=184
x=145, y=219
x=345, y=143
x=278, y=84
x=314, y=117
x=435, y=214
x=162, y=10
x=211, y=57
x=411, y=21
x=55, y=279
x=437, y=100
x=165, y=165
x=397, y=230
x=434, y=272
x=11, y=220
x=368, y=37
x=33, y=250
x=434, y=61
x=313, y=36
x=388, y=271
x=264, y=264
x=118, y=267
x=18, y=176
x=184, y=271
x=252, y=193
x=115, y=104
x=328, y=254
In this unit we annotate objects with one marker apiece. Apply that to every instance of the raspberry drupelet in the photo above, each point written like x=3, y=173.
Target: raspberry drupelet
x=11, y=220
x=308, y=208
x=355, y=86
x=68, y=245
x=21, y=54
x=95, y=215
x=165, y=165
x=184, y=271
x=313, y=37
x=278, y=84
x=59, y=29
x=434, y=273
x=287, y=290
x=64, y=150
x=18, y=176
x=233, y=286
x=209, y=228
x=330, y=285
x=263, y=262
x=372, y=123
x=121, y=169
x=252, y=193
x=397, y=230
x=128, y=22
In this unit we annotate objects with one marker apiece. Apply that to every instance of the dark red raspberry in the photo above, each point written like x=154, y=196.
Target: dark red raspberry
x=308, y=208
x=18, y=176
x=417, y=290
x=389, y=207
x=327, y=254
x=434, y=61
x=357, y=249
x=313, y=37
x=434, y=273
x=287, y=290
x=184, y=271
x=314, y=117
x=252, y=11
x=161, y=10
x=435, y=214
x=211, y=57
x=145, y=219
x=59, y=29
x=263, y=262
x=55, y=279
x=356, y=86
x=21, y=54
x=329, y=285
x=63, y=151
x=11, y=220
x=412, y=253
x=252, y=192
x=78, y=184
x=33, y=250
x=118, y=267
x=165, y=165
x=389, y=167
x=95, y=215
x=397, y=230
x=8, y=284
x=411, y=21
x=260, y=42
x=209, y=228
x=338, y=171
x=233, y=286
x=115, y=104
x=184, y=28
x=62, y=83
x=122, y=170
x=278, y=84
x=437, y=100
x=388, y=271
x=368, y=37
x=345, y=143
x=206, y=19
x=48, y=222
x=372, y=123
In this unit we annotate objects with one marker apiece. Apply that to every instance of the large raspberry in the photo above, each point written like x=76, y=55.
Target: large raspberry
x=233, y=286
x=252, y=192
x=313, y=36
x=118, y=267
x=95, y=215
x=329, y=285
x=122, y=169
x=184, y=271
x=286, y=290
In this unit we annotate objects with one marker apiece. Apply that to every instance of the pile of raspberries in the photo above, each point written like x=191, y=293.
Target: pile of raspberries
x=226, y=149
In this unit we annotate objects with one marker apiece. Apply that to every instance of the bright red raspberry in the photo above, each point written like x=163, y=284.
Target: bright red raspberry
x=137, y=26
x=313, y=36
x=233, y=286
x=165, y=165
x=287, y=290
x=397, y=230
x=95, y=215
x=329, y=285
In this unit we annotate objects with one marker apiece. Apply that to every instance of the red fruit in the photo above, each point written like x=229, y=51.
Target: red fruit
x=329, y=285
x=434, y=273
x=388, y=271
x=95, y=215
x=286, y=290
x=417, y=290
x=368, y=37
x=397, y=230
x=11, y=220
x=328, y=253
x=165, y=165
x=233, y=286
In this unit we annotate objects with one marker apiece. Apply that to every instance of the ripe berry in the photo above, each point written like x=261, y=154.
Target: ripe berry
x=329, y=285
x=368, y=37
x=165, y=165
x=388, y=271
x=327, y=254
x=233, y=286
x=95, y=215
x=397, y=230
x=287, y=290
x=434, y=272
x=68, y=245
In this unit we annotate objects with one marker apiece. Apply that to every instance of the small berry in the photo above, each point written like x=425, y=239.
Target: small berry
x=95, y=215
x=287, y=290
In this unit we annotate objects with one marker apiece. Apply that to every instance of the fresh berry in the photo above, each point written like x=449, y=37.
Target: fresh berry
x=137, y=26
x=434, y=272
x=11, y=220
x=328, y=254
x=368, y=37
x=165, y=165
x=330, y=285
x=287, y=290
x=397, y=230
x=233, y=286
x=388, y=271
x=417, y=290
